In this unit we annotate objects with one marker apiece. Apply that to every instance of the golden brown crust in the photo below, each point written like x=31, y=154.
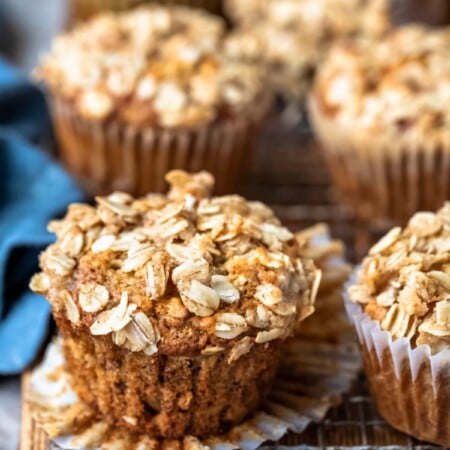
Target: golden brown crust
x=179, y=274
x=405, y=281
x=153, y=66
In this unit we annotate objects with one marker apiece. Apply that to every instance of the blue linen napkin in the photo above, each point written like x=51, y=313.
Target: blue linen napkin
x=33, y=190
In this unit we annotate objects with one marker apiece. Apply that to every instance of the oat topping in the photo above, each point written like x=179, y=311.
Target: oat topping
x=152, y=66
x=398, y=85
x=405, y=281
x=221, y=271
x=293, y=36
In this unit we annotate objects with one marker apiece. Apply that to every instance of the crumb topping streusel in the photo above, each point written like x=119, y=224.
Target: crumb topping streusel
x=181, y=273
x=404, y=283
x=152, y=66
x=399, y=85
x=292, y=36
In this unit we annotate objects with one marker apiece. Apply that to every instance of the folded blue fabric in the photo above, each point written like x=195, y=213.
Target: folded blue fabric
x=33, y=190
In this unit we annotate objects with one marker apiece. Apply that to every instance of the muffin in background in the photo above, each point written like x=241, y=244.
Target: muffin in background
x=174, y=309
x=401, y=311
x=136, y=94
x=292, y=36
x=85, y=9
x=380, y=111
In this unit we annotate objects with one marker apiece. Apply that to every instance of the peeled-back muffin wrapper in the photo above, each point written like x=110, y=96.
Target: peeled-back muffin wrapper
x=410, y=385
x=83, y=9
x=379, y=178
x=315, y=372
x=111, y=155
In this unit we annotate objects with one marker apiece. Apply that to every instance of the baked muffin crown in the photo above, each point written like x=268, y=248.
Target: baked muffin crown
x=153, y=65
x=399, y=84
x=183, y=273
x=404, y=283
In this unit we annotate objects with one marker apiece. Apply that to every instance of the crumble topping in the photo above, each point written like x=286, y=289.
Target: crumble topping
x=178, y=272
x=293, y=36
x=153, y=65
x=399, y=85
x=405, y=281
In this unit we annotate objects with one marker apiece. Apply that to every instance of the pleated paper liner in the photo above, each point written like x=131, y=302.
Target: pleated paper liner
x=379, y=179
x=84, y=9
x=317, y=369
x=411, y=387
x=111, y=155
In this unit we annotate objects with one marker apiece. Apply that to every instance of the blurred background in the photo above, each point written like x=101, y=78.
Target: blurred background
x=294, y=182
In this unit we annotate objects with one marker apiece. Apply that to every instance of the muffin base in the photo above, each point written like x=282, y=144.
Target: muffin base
x=414, y=405
x=112, y=155
x=168, y=396
x=411, y=387
x=381, y=180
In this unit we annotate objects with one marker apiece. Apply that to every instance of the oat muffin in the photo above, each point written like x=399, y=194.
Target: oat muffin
x=173, y=309
x=84, y=9
x=292, y=36
x=380, y=110
x=136, y=94
x=403, y=288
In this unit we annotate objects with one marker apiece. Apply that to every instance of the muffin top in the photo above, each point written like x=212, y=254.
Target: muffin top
x=404, y=283
x=292, y=36
x=152, y=66
x=399, y=85
x=183, y=273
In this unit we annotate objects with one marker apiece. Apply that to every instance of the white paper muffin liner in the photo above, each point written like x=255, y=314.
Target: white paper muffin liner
x=379, y=177
x=111, y=155
x=316, y=370
x=411, y=386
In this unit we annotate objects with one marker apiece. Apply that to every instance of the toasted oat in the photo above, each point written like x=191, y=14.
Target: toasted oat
x=57, y=262
x=93, y=297
x=40, y=283
x=157, y=275
x=126, y=212
x=230, y=325
x=192, y=270
x=212, y=350
x=139, y=335
x=267, y=336
x=72, y=242
x=443, y=312
x=224, y=289
x=199, y=299
x=114, y=319
x=268, y=294
x=137, y=257
x=386, y=241
x=241, y=348
x=72, y=312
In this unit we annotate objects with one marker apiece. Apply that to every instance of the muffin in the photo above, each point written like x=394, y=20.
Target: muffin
x=380, y=111
x=173, y=309
x=402, y=314
x=84, y=9
x=136, y=94
x=292, y=36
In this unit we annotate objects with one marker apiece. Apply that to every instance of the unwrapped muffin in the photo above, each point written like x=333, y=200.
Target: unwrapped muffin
x=292, y=36
x=380, y=110
x=402, y=314
x=174, y=309
x=136, y=94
